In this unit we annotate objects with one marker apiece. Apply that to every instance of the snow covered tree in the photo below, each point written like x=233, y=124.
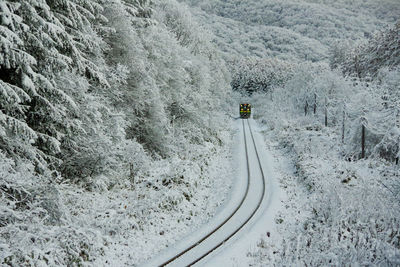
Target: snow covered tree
x=39, y=41
x=168, y=87
x=383, y=50
x=100, y=103
x=251, y=75
x=16, y=83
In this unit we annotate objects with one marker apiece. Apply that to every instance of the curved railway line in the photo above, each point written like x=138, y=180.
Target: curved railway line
x=255, y=206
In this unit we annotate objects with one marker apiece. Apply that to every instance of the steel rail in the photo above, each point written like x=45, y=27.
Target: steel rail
x=236, y=209
x=255, y=210
x=228, y=218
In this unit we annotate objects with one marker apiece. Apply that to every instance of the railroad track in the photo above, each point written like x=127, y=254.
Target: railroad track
x=236, y=220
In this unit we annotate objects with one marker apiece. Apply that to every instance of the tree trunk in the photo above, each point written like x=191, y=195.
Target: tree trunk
x=326, y=112
x=131, y=174
x=315, y=103
x=306, y=108
x=363, y=141
x=357, y=67
x=343, y=119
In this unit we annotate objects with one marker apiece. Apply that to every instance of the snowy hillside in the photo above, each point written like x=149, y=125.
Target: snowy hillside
x=105, y=133
x=291, y=29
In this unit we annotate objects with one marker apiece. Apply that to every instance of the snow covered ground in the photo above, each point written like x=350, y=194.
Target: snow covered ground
x=235, y=249
x=336, y=211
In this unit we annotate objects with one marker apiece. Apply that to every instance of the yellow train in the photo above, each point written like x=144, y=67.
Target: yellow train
x=245, y=110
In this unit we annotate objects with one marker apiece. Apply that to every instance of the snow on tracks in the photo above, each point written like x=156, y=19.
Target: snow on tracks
x=213, y=236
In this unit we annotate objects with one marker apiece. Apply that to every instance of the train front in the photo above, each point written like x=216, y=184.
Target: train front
x=245, y=110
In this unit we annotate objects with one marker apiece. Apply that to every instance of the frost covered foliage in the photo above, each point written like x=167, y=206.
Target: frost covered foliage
x=365, y=109
x=169, y=88
x=34, y=226
x=343, y=135
x=338, y=212
x=75, y=84
x=351, y=213
x=382, y=50
x=252, y=75
x=334, y=101
x=39, y=46
x=291, y=29
x=101, y=96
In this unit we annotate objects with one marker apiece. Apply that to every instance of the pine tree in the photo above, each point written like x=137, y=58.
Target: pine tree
x=38, y=42
x=383, y=50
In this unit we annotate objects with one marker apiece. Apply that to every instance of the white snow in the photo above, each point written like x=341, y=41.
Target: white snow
x=234, y=251
x=236, y=193
x=115, y=149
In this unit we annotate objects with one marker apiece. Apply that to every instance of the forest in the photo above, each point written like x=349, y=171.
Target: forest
x=107, y=98
x=116, y=125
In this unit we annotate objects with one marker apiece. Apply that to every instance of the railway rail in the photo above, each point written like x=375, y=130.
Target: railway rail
x=246, y=203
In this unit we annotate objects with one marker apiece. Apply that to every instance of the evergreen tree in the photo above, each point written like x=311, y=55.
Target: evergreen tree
x=383, y=50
